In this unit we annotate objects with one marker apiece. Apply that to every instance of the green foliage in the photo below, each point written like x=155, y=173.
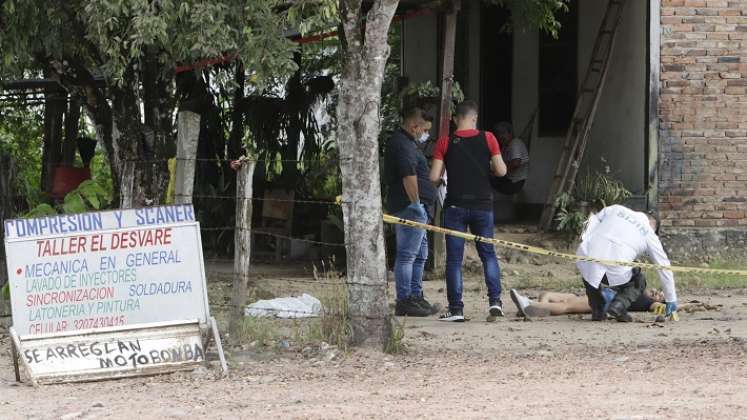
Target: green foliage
x=116, y=37
x=600, y=190
x=534, y=14
x=570, y=220
x=611, y=191
x=322, y=179
x=427, y=94
x=21, y=137
x=89, y=196
x=101, y=172
x=593, y=192
x=313, y=15
x=136, y=45
x=41, y=210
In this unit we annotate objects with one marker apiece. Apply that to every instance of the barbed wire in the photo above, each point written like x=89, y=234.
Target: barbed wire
x=229, y=160
x=273, y=234
x=268, y=199
x=341, y=283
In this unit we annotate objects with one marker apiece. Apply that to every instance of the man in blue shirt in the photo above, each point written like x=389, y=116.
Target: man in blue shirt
x=411, y=196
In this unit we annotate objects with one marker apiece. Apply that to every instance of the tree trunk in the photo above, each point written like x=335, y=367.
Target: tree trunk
x=72, y=124
x=365, y=53
x=101, y=116
x=136, y=151
x=139, y=152
x=235, y=140
x=242, y=247
x=294, y=104
x=7, y=201
x=188, y=133
x=54, y=108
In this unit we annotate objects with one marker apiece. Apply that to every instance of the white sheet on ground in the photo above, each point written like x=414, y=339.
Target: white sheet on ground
x=304, y=306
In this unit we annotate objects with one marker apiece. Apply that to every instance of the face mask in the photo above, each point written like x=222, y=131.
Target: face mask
x=424, y=137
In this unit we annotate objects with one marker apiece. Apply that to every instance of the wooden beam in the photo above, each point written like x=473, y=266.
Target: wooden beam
x=72, y=126
x=447, y=75
x=447, y=82
x=654, y=85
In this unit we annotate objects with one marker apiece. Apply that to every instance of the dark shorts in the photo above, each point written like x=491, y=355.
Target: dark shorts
x=505, y=186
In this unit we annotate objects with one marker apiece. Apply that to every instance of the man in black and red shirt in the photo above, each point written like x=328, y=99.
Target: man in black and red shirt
x=471, y=158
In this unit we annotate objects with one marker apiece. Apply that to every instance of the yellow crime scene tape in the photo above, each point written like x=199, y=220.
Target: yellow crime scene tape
x=540, y=251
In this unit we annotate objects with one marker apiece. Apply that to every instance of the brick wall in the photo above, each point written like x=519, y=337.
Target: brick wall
x=703, y=116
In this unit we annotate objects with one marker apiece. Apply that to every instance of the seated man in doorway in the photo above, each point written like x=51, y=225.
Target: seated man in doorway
x=619, y=233
x=411, y=196
x=516, y=156
x=554, y=303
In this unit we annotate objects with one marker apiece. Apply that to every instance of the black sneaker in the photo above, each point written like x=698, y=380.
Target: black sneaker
x=617, y=310
x=597, y=314
x=452, y=315
x=423, y=303
x=496, y=308
x=409, y=307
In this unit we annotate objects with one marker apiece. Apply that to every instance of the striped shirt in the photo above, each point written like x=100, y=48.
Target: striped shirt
x=517, y=150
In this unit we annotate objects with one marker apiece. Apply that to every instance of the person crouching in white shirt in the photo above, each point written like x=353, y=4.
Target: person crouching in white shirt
x=619, y=233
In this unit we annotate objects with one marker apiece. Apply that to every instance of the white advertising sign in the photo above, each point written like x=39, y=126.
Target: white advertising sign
x=112, y=352
x=105, y=269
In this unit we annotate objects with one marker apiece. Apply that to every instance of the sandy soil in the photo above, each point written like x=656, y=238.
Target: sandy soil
x=560, y=367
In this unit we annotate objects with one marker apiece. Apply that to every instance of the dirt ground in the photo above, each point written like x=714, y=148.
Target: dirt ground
x=559, y=367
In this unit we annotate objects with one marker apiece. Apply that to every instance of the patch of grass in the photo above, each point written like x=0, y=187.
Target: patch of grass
x=306, y=331
x=334, y=325
x=259, y=330
x=396, y=344
x=331, y=327
x=270, y=332
x=685, y=281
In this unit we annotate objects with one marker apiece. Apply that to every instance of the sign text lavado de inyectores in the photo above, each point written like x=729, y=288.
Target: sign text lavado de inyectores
x=103, y=271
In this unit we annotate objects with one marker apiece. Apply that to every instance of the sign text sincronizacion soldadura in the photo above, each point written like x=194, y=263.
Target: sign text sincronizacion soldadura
x=105, y=269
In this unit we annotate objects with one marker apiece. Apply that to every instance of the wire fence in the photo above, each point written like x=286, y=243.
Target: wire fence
x=304, y=247
x=329, y=160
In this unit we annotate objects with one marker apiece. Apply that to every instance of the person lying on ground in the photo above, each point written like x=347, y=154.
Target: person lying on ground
x=553, y=303
x=621, y=234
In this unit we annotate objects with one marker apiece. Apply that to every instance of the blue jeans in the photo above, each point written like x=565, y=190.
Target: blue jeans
x=412, y=253
x=480, y=223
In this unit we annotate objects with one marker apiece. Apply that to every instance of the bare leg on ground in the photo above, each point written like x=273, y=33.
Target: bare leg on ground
x=574, y=305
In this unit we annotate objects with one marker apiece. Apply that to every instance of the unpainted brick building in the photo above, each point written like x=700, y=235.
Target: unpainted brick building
x=702, y=179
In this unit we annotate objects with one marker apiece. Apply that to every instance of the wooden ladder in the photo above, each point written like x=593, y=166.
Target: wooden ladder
x=586, y=107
